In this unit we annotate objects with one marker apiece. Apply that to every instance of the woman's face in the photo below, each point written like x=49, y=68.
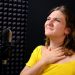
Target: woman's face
x=55, y=24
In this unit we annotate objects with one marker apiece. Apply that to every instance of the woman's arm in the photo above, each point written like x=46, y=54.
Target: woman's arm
x=35, y=70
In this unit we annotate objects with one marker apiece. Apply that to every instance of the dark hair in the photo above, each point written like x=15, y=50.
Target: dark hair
x=69, y=41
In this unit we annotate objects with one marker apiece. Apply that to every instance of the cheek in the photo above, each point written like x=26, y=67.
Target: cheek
x=45, y=24
x=59, y=25
x=60, y=28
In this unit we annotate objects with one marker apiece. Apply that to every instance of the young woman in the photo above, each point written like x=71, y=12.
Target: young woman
x=57, y=56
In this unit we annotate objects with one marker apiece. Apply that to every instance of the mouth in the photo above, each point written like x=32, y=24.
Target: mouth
x=48, y=27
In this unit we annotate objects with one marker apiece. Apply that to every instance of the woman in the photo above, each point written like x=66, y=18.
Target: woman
x=57, y=57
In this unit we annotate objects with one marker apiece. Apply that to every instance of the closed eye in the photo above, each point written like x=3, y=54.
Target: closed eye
x=57, y=19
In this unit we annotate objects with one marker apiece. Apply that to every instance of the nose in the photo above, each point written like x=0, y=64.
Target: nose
x=50, y=22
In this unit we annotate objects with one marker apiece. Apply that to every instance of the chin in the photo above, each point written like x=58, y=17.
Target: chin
x=47, y=34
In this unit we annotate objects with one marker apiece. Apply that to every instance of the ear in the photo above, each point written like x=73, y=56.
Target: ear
x=67, y=31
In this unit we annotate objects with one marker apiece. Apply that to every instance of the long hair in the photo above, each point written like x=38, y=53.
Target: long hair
x=69, y=41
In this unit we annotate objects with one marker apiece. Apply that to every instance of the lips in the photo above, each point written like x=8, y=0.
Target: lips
x=48, y=27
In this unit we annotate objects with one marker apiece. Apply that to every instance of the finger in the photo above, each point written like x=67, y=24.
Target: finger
x=59, y=48
x=60, y=54
x=61, y=57
x=59, y=51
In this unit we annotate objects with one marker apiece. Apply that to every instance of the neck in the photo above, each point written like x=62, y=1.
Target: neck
x=56, y=42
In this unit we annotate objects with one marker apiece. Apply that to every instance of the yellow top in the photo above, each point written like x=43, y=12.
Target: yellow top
x=67, y=68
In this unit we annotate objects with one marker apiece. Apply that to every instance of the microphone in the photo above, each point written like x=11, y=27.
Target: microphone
x=6, y=36
x=6, y=43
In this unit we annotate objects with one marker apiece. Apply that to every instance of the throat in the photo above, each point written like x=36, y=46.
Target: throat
x=56, y=42
x=54, y=47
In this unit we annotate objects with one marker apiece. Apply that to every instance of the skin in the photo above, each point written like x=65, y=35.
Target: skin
x=56, y=30
x=55, y=25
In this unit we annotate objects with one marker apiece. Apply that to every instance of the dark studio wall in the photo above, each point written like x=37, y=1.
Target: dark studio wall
x=13, y=16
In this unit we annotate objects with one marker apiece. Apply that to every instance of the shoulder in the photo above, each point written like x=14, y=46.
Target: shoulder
x=73, y=57
x=39, y=48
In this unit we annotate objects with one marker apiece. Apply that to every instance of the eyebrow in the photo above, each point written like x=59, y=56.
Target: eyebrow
x=54, y=18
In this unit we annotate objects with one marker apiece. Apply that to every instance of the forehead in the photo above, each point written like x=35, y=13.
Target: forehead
x=57, y=14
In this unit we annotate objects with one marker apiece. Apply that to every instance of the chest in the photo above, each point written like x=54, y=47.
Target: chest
x=67, y=59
